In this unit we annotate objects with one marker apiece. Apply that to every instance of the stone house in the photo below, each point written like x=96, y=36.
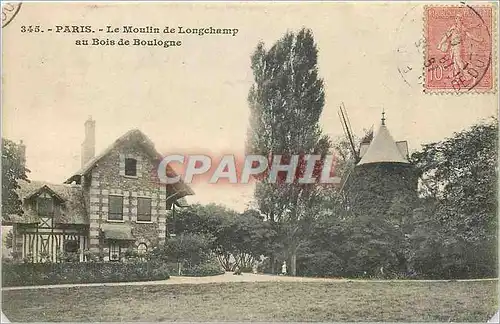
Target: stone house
x=113, y=203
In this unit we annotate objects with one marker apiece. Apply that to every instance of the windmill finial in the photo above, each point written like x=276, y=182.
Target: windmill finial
x=383, y=117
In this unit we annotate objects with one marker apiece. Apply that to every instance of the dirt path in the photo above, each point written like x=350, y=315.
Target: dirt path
x=227, y=277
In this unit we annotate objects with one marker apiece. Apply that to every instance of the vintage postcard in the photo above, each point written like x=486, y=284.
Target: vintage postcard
x=249, y=161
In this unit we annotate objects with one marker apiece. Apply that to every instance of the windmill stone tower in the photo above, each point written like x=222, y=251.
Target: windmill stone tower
x=382, y=175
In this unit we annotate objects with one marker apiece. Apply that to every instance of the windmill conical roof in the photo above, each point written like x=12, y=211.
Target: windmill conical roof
x=382, y=149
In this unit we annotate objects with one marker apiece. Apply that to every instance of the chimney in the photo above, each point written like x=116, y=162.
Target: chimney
x=22, y=153
x=88, y=145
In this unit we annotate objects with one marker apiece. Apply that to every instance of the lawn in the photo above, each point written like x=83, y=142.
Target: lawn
x=259, y=301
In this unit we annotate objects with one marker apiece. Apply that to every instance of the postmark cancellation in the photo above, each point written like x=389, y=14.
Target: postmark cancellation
x=9, y=11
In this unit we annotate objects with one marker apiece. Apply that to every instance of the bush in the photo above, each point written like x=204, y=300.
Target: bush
x=246, y=269
x=204, y=269
x=30, y=274
x=190, y=249
x=322, y=263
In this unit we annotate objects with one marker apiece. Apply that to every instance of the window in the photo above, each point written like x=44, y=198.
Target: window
x=45, y=206
x=114, y=252
x=115, y=211
x=130, y=167
x=71, y=246
x=143, y=209
x=142, y=248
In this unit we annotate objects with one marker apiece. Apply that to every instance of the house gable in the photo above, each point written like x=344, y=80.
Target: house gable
x=69, y=206
x=44, y=191
x=109, y=171
x=133, y=145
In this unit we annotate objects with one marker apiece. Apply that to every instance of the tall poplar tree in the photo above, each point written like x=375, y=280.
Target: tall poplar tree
x=286, y=102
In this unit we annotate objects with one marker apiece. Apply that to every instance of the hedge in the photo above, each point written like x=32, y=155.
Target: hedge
x=204, y=269
x=32, y=274
x=201, y=270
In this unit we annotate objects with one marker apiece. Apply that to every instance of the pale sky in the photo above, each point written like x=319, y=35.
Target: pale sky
x=194, y=97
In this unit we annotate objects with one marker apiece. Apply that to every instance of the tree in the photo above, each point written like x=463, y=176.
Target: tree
x=457, y=235
x=13, y=169
x=345, y=157
x=189, y=249
x=286, y=101
x=251, y=237
x=213, y=220
x=236, y=237
x=323, y=253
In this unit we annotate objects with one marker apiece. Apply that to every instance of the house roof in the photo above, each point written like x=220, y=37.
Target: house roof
x=134, y=133
x=41, y=189
x=149, y=147
x=383, y=148
x=71, y=196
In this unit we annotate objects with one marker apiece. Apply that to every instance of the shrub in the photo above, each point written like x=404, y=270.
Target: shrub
x=90, y=256
x=204, y=269
x=68, y=256
x=322, y=263
x=28, y=274
x=246, y=269
x=190, y=249
x=131, y=255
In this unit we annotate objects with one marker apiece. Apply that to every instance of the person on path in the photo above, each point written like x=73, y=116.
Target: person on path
x=255, y=267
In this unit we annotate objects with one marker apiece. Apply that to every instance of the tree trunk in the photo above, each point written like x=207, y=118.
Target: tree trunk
x=224, y=260
x=293, y=263
x=273, y=261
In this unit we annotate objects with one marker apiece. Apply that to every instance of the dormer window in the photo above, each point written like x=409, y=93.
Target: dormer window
x=45, y=205
x=131, y=167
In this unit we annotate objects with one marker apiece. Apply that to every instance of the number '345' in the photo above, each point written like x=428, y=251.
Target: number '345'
x=31, y=29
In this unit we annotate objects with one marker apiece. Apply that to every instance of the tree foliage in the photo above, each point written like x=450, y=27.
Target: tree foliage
x=13, y=169
x=190, y=249
x=252, y=237
x=460, y=174
x=457, y=234
x=238, y=239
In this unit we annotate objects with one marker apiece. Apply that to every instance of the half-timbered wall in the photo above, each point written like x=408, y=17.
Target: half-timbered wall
x=41, y=243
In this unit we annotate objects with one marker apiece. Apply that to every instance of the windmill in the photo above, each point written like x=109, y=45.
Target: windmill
x=381, y=173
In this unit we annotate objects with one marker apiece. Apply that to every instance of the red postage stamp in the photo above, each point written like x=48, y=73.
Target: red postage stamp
x=458, y=54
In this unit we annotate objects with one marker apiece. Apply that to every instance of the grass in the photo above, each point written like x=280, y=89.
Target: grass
x=259, y=301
